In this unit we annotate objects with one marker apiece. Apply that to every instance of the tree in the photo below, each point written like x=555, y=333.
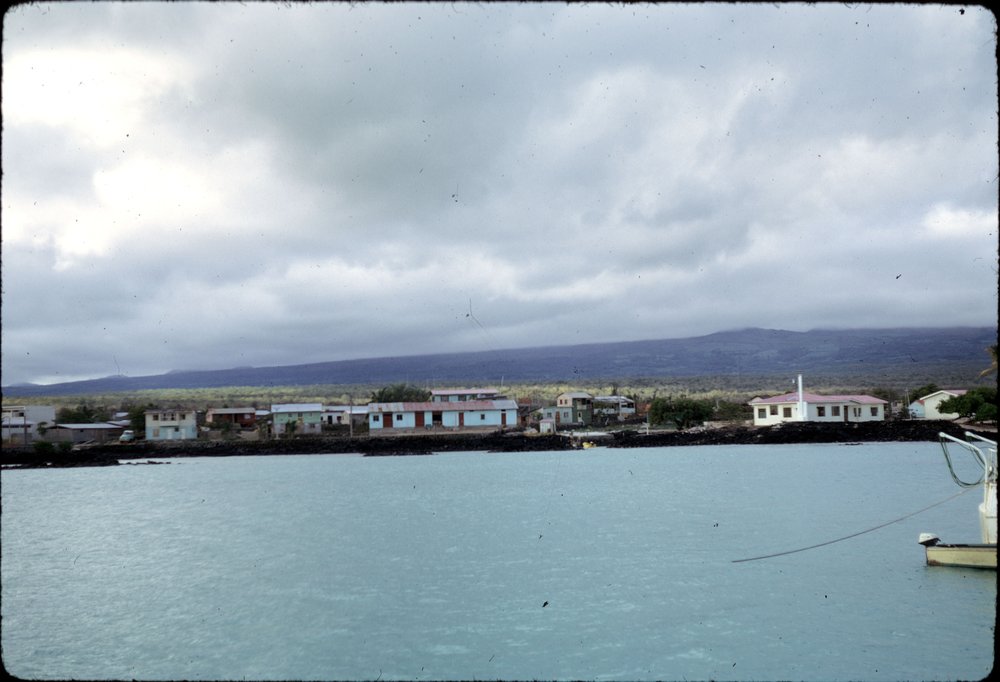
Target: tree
x=726, y=410
x=979, y=404
x=921, y=391
x=683, y=412
x=84, y=413
x=401, y=393
x=137, y=416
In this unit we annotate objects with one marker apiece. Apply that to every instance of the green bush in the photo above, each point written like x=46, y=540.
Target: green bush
x=43, y=447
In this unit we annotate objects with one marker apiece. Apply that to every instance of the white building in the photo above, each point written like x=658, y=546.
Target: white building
x=801, y=406
x=614, y=406
x=927, y=406
x=469, y=415
x=21, y=422
x=171, y=424
x=459, y=395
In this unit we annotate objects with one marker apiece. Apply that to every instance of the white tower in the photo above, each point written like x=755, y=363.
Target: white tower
x=802, y=402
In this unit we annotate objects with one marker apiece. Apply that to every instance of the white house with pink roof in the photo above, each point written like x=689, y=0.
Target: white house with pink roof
x=800, y=406
x=927, y=407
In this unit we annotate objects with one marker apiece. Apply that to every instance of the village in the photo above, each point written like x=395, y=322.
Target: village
x=448, y=411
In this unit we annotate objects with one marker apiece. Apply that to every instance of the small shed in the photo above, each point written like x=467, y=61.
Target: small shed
x=100, y=432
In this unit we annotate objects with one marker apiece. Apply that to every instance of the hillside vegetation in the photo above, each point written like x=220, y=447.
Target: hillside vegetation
x=735, y=366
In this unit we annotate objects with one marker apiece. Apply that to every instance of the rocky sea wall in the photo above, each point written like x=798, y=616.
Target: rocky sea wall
x=805, y=432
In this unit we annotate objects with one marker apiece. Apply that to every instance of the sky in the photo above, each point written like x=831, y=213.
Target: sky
x=213, y=185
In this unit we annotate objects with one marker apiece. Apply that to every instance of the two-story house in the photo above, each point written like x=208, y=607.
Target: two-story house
x=21, y=422
x=614, y=406
x=171, y=424
x=573, y=407
x=244, y=417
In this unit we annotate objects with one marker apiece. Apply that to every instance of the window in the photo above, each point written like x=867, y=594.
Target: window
x=835, y=410
x=774, y=410
x=762, y=413
x=874, y=411
x=399, y=417
x=786, y=412
x=482, y=417
x=820, y=411
x=376, y=417
x=156, y=433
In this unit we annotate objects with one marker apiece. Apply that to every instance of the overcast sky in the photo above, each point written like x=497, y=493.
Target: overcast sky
x=205, y=186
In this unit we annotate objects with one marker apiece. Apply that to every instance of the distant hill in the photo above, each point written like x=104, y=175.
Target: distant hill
x=886, y=356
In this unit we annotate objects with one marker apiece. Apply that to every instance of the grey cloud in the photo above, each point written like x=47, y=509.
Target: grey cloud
x=582, y=173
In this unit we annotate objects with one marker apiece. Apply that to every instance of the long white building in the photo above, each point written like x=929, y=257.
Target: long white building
x=467, y=415
x=800, y=406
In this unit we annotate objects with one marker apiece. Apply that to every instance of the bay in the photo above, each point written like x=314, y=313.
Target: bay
x=598, y=564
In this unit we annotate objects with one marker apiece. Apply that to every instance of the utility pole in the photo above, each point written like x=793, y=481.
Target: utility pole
x=350, y=414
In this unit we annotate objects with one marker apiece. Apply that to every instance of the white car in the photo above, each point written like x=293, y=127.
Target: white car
x=128, y=435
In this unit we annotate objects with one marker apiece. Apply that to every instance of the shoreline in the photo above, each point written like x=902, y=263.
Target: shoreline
x=114, y=454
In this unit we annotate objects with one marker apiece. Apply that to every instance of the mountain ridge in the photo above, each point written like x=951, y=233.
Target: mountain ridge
x=749, y=351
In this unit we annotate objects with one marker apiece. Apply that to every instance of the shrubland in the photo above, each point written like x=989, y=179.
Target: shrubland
x=719, y=390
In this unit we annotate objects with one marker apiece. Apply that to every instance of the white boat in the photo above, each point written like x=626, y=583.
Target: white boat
x=984, y=554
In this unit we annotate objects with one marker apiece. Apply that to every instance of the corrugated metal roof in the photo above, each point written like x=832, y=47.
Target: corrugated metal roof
x=297, y=407
x=462, y=391
x=459, y=406
x=95, y=427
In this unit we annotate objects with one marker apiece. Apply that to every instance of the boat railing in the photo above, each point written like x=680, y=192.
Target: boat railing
x=989, y=450
x=986, y=460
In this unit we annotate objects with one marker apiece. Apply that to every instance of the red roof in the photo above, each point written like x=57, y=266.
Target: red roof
x=814, y=398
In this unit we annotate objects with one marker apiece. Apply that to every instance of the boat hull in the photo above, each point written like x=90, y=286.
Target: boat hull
x=964, y=556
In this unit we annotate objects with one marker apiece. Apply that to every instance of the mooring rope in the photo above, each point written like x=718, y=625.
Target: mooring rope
x=854, y=535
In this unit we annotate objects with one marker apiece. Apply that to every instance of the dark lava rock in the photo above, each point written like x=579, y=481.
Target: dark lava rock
x=382, y=446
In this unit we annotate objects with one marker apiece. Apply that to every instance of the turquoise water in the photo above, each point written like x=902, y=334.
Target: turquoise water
x=597, y=564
